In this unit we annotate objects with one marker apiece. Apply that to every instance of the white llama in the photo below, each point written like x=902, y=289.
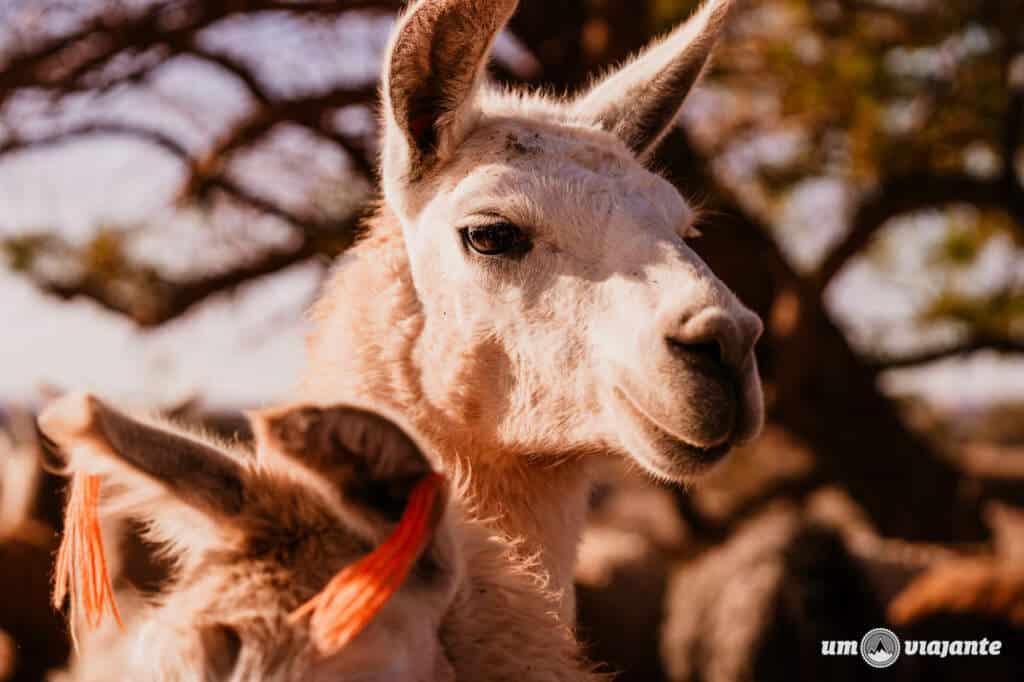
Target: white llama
x=525, y=298
x=254, y=535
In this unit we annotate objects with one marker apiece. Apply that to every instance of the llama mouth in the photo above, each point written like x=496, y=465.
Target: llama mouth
x=664, y=453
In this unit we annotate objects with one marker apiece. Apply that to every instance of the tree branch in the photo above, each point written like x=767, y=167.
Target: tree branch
x=305, y=111
x=330, y=6
x=1011, y=144
x=176, y=149
x=916, y=191
x=354, y=147
x=154, y=137
x=160, y=299
x=881, y=8
x=1013, y=120
x=63, y=61
x=57, y=63
x=904, y=194
x=977, y=343
x=232, y=66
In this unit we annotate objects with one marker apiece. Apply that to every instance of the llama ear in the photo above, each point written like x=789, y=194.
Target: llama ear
x=369, y=459
x=640, y=101
x=221, y=647
x=99, y=438
x=434, y=66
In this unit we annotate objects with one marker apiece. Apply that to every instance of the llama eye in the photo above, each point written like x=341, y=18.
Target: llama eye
x=495, y=239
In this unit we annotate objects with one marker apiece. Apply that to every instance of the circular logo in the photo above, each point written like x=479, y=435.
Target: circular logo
x=880, y=648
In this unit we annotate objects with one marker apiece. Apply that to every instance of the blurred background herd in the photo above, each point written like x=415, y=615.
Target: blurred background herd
x=177, y=176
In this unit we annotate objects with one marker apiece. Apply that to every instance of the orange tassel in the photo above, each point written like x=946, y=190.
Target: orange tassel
x=354, y=596
x=81, y=562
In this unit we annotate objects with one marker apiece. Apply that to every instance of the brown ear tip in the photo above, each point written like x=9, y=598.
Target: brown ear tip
x=259, y=418
x=284, y=427
x=69, y=416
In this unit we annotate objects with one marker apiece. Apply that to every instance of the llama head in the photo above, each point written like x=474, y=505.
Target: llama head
x=257, y=537
x=564, y=311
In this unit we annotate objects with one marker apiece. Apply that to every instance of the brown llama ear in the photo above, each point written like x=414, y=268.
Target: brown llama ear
x=640, y=101
x=197, y=474
x=368, y=458
x=221, y=646
x=435, y=64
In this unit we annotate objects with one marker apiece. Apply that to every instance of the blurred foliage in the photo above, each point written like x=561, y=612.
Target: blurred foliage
x=998, y=310
x=101, y=263
x=898, y=88
x=994, y=315
x=967, y=236
x=22, y=250
x=873, y=90
x=103, y=256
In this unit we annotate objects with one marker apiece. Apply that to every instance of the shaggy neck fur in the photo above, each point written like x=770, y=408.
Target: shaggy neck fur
x=370, y=335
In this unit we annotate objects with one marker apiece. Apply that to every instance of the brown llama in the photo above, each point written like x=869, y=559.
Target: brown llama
x=255, y=535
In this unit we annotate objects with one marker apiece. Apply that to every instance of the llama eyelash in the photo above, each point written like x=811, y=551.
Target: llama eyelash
x=695, y=217
x=690, y=232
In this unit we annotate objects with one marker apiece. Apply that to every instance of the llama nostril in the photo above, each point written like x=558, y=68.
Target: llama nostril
x=711, y=350
x=713, y=334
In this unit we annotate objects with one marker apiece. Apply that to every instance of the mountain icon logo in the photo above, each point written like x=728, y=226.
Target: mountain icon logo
x=880, y=647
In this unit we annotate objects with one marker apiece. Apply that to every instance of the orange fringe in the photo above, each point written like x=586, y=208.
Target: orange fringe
x=81, y=562
x=354, y=596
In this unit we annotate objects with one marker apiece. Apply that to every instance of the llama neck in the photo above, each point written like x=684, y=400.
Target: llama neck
x=369, y=331
x=499, y=602
x=544, y=507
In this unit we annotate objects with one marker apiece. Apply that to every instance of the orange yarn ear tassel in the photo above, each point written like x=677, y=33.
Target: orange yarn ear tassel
x=354, y=596
x=81, y=562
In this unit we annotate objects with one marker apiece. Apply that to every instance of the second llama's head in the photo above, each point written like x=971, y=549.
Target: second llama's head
x=257, y=536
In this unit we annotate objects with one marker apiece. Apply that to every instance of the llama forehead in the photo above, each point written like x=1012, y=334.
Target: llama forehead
x=561, y=174
x=525, y=141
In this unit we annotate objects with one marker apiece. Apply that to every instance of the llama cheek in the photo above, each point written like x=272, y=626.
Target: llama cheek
x=372, y=657
x=467, y=377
